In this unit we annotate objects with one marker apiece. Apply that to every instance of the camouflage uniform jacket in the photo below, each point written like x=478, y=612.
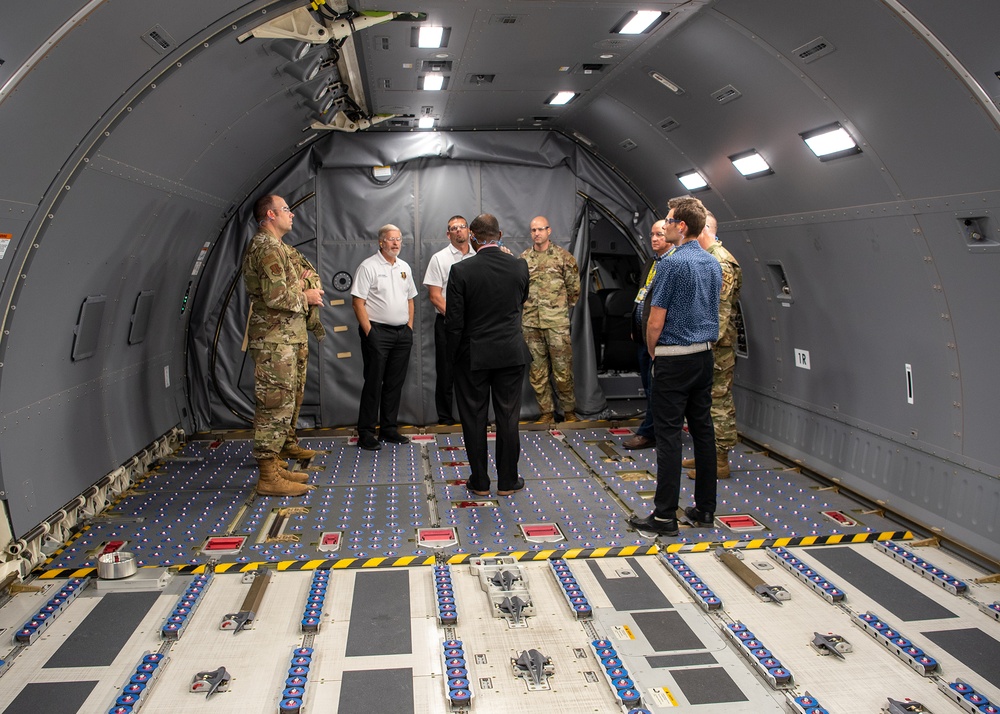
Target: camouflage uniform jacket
x=553, y=287
x=732, y=281
x=278, y=307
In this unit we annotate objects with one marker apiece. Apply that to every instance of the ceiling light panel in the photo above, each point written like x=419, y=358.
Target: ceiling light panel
x=693, y=181
x=830, y=142
x=638, y=22
x=750, y=164
x=561, y=98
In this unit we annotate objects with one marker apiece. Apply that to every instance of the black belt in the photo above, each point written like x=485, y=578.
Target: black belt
x=392, y=327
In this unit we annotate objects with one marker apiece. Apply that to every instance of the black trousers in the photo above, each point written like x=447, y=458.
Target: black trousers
x=473, y=390
x=385, y=351
x=444, y=390
x=683, y=388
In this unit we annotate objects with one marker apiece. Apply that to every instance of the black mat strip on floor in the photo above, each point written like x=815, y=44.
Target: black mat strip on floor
x=630, y=593
x=974, y=648
x=51, y=697
x=666, y=631
x=904, y=602
x=380, y=614
x=364, y=692
x=680, y=660
x=710, y=685
x=101, y=636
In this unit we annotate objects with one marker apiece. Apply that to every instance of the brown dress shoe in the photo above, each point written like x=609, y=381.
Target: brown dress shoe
x=687, y=463
x=639, y=442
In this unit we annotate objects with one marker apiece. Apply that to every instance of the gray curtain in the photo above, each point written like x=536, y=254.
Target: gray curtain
x=514, y=175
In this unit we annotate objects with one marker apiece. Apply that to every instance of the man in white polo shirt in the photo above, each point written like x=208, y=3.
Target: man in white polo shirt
x=382, y=298
x=436, y=280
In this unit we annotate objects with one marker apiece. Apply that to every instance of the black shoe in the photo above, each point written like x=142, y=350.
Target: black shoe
x=698, y=518
x=650, y=524
x=518, y=485
x=393, y=438
x=639, y=442
x=369, y=443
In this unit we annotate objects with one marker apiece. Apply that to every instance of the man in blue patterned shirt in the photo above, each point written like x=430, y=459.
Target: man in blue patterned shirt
x=683, y=325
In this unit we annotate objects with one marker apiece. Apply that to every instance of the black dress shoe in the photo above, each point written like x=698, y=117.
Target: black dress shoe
x=394, y=438
x=650, y=524
x=369, y=443
x=518, y=485
x=699, y=518
x=639, y=442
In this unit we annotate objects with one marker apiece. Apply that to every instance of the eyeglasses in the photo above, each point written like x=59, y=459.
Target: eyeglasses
x=537, y=230
x=457, y=227
x=286, y=209
x=672, y=220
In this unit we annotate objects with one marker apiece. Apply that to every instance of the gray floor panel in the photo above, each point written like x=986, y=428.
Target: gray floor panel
x=100, y=637
x=709, y=685
x=380, y=616
x=362, y=691
x=897, y=597
x=666, y=631
x=978, y=650
x=635, y=591
x=51, y=697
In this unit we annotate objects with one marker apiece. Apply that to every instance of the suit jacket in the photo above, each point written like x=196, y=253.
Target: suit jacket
x=641, y=338
x=483, y=307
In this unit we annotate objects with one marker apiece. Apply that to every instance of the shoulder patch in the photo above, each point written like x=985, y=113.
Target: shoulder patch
x=275, y=269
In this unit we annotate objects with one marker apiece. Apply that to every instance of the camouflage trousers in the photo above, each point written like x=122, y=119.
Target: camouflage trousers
x=279, y=386
x=723, y=408
x=551, y=352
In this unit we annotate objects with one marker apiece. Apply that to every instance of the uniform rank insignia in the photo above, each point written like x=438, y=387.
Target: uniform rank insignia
x=275, y=269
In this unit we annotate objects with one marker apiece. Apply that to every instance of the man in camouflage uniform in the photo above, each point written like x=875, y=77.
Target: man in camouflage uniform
x=723, y=408
x=285, y=293
x=553, y=288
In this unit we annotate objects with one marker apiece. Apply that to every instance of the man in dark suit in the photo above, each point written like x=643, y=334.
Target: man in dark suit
x=485, y=299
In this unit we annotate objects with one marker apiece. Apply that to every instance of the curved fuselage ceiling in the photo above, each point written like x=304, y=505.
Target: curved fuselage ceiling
x=133, y=133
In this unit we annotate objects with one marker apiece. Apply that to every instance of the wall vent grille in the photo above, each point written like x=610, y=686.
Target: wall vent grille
x=628, y=145
x=506, y=19
x=812, y=51
x=669, y=124
x=726, y=94
x=159, y=39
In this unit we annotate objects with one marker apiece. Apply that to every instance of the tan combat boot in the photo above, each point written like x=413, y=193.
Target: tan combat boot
x=570, y=417
x=270, y=482
x=721, y=465
x=294, y=451
x=294, y=476
x=546, y=418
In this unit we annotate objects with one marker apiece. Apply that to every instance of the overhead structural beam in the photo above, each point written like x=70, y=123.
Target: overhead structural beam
x=300, y=24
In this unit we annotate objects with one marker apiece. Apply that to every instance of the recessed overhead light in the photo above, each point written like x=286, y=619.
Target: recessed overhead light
x=607, y=56
x=750, y=164
x=433, y=82
x=638, y=21
x=693, y=181
x=426, y=122
x=430, y=37
x=561, y=98
x=830, y=142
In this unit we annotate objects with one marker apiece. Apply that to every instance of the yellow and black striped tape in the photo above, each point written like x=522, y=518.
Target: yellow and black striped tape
x=524, y=555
